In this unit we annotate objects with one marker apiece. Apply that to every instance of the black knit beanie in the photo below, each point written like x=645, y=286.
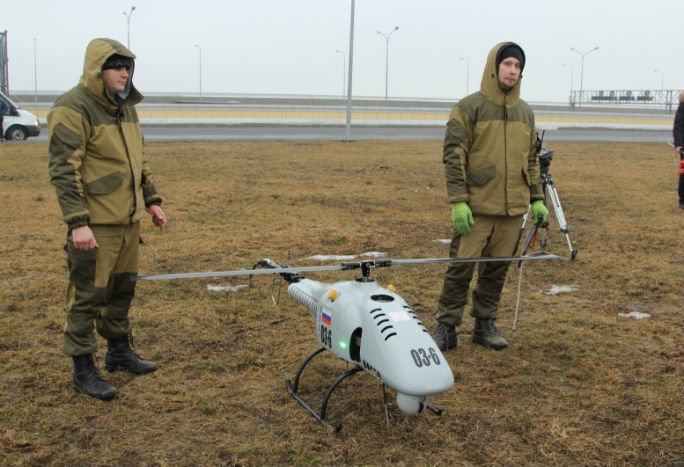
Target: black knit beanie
x=118, y=61
x=512, y=50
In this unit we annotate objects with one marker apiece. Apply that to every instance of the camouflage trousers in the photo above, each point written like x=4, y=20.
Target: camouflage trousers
x=101, y=287
x=491, y=236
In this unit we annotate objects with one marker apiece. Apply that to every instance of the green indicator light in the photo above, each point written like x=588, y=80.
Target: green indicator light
x=343, y=344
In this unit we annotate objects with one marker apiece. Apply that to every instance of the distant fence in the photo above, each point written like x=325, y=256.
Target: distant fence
x=663, y=97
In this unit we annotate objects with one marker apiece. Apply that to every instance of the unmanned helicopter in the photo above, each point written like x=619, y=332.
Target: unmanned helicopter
x=368, y=326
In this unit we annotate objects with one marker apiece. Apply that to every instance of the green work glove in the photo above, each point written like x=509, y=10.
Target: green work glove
x=461, y=217
x=539, y=212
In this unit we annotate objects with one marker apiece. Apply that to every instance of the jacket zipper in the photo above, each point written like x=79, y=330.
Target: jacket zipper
x=505, y=155
x=119, y=117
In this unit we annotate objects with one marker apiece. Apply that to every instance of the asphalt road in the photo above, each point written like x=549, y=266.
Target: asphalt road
x=232, y=118
x=393, y=133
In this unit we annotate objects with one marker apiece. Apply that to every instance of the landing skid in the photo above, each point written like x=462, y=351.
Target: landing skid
x=292, y=388
x=436, y=410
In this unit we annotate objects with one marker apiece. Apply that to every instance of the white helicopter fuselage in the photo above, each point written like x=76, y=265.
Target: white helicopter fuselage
x=374, y=328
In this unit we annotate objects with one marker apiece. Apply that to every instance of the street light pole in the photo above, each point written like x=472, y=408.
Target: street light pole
x=662, y=79
x=344, y=71
x=35, y=73
x=351, y=67
x=387, y=38
x=572, y=72
x=582, y=54
x=128, y=26
x=467, y=73
x=200, y=71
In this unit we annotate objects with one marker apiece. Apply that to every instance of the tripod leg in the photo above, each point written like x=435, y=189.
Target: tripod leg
x=529, y=240
x=517, y=300
x=552, y=196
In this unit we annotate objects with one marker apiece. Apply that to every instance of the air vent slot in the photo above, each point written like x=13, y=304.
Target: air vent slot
x=381, y=319
x=382, y=298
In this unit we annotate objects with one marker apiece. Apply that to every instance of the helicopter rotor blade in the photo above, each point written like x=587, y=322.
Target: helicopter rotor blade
x=240, y=272
x=342, y=266
x=531, y=257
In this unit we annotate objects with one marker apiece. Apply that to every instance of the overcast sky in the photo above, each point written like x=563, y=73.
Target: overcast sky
x=289, y=46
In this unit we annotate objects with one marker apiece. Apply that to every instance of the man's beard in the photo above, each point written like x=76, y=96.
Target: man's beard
x=505, y=88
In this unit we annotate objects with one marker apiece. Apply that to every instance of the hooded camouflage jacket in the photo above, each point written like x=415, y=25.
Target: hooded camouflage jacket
x=96, y=159
x=490, y=155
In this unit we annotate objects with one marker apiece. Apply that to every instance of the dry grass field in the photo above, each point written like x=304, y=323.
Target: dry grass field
x=579, y=385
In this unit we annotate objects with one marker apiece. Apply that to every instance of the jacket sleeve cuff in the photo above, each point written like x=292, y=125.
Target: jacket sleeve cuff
x=458, y=199
x=79, y=221
x=153, y=202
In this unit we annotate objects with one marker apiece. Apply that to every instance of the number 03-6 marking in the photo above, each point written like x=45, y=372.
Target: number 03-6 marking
x=422, y=358
x=326, y=336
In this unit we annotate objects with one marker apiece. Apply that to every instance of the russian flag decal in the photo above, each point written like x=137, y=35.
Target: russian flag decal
x=326, y=318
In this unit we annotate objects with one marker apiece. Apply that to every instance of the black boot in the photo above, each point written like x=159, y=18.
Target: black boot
x=88, y=380
x=445, y=336
x=485, y=333
x=120, y=356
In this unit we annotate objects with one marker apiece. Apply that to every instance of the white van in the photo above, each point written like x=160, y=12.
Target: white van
x=18, y=124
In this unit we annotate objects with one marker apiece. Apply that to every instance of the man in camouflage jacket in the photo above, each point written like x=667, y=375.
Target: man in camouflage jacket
x=678, y=134
x=492, y=176
x=104, y=186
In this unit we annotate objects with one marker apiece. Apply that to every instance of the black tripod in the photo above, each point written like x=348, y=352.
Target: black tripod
x=552, y=199
x=542, y=228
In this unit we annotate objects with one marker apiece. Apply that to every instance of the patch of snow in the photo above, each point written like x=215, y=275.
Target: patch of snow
x=372, y=254
x=635, y=315
x=226, y=288
x=445, y=241
x=556, y=289
x=331, y=257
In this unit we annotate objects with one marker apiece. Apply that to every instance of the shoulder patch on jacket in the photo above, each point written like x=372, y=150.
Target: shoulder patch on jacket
x=64, y=141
